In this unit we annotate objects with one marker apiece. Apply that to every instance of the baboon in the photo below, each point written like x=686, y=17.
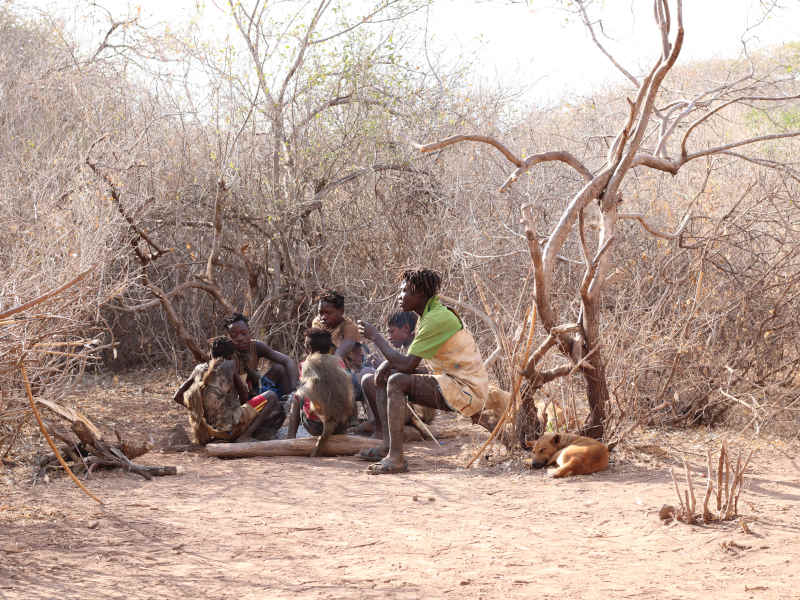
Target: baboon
x=329, y=390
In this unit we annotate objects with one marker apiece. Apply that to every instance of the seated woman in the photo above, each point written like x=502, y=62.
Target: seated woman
x=280, y=379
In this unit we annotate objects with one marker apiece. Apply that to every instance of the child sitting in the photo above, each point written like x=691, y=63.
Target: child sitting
x=316, y=340
x=217, y=399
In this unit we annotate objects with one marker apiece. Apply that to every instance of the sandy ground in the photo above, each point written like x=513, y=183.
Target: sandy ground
x=323, y=528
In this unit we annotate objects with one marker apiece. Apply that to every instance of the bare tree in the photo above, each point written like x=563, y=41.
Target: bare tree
x=659, y=132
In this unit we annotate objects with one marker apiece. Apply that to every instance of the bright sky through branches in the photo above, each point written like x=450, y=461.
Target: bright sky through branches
x=535, y=46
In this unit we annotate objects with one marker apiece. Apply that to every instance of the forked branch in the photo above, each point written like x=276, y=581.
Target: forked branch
x=521, y=164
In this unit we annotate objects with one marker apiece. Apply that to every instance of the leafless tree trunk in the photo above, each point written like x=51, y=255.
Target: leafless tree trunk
x=646, y=139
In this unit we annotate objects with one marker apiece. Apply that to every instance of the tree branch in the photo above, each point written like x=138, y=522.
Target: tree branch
x=711, y=113
x=219, y=199
x=425, y=148
x=590, y=27
x=653, y=231
x=531, y=161
x=522, y=165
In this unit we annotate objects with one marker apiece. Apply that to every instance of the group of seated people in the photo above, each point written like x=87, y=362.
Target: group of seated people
x=229, y=399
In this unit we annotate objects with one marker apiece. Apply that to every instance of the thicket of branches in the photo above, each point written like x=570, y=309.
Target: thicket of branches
x=291, y=168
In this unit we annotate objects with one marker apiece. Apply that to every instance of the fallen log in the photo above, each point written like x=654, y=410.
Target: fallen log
x=337, y=445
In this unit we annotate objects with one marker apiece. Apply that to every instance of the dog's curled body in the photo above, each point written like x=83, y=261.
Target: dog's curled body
x=330, y=391
x=574, y=454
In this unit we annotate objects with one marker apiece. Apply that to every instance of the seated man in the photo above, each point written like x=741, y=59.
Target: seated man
x=217, y=399
x=316, y=340
x=458, y=379
x=344, y=333
x=400, y=332
x=281, y=375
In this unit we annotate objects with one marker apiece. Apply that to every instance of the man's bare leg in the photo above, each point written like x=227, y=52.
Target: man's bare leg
x=399, y=386
x=396, y=389
x=278, y=374
x=294, y=416
x=369, y=389
x=374, y=387
x=268, y=412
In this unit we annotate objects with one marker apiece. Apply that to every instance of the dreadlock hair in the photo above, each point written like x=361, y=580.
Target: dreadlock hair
x=234, y=318
x=332, y=297
x=423, y=281
x=222, y=347
x=403, y=318
x=319, y=340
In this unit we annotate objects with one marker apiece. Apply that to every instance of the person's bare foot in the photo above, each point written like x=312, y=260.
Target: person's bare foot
x=372, y=454
x=365, y=428
x=388, y=467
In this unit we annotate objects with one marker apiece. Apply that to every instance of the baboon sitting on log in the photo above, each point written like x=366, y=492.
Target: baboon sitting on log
x=324, y=400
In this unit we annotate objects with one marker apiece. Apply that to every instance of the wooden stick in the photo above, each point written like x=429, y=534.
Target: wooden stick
x=707, y=516
x=44, y=297
x=420, y=424
x=678, y=492
x=741, y=483
x=71, y=415
x=49, y=439
x=691, y=501
x=514, y=392
x=720, y=466
x=727, y=494
x=337, y=445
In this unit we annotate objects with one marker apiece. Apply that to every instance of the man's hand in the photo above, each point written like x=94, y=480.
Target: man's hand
x=366, y=330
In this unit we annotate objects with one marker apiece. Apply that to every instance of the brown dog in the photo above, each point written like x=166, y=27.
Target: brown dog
x=574, y=454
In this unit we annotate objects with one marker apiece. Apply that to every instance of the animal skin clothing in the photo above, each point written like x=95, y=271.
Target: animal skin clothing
x=213, y=403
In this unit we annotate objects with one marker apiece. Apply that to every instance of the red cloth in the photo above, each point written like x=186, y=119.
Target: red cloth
x=258, y=402
x=310, y=414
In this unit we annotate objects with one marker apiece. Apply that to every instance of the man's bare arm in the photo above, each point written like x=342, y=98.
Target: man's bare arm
x=288, y=363
x=241, y=388
x=178, y=397
x=344, y=348
x=405, y=363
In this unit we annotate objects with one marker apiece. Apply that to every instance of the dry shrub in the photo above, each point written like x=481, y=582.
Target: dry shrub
x=679, y=344
x=54, y=224
x=729, y=482
x=703, y=331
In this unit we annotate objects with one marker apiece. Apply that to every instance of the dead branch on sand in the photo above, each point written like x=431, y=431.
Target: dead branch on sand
x=88, y=449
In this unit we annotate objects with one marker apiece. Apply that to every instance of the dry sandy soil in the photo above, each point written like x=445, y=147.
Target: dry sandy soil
x=323, y=528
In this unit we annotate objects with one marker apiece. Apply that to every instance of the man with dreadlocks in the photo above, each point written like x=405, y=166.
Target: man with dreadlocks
x=458, y=380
